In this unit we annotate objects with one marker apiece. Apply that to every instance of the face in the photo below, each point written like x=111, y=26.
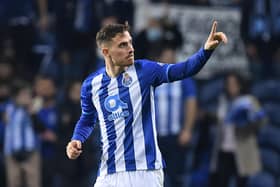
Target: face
x=45, y=88
x=24, y=97
x=75, y=91
x=233, y=86
x=120, y=50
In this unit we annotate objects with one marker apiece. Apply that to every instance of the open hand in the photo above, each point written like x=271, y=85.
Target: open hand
x=74, y=149
x=215, y=38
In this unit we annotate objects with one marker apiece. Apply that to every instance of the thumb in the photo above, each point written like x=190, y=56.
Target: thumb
x=77, y=144
x=212, y=44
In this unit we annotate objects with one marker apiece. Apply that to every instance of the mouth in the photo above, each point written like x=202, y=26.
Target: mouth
x=130, y=56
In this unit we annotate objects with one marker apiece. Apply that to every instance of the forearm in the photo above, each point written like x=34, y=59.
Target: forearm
x=189, y=67
x=191, y=110
x=83, y=128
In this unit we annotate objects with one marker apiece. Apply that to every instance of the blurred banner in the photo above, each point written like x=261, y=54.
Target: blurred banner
x=195, y=24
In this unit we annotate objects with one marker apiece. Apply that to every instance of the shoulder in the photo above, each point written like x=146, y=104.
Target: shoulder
x=144, y=62
x=88, y=82
x=147, y=65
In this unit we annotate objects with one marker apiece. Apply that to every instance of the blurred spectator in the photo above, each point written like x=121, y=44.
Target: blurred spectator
x=239, y=119
x=176, y=113
x=160, y=32
x=18, y=32
x=74, y=172
x=6, y=77
x=74, y=27
x=260, y=31
x=232, y=3
x=123, y=10
x=47, y=114
x=21, y=141
x=172, y=36
x=149, y=41
x=186, y=2
x=5, y=91
x=6, y=70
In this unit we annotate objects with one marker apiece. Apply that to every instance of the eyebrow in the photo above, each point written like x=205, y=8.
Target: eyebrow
x=130, y=41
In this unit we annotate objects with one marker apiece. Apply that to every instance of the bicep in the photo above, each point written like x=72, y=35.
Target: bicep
x=160, y=74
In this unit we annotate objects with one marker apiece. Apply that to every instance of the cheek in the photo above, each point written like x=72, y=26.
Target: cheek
x=118, y=54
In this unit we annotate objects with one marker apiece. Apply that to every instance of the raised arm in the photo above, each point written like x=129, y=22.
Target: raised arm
x=194, y=64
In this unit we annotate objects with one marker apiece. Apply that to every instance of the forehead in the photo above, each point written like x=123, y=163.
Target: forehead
x=125, y=36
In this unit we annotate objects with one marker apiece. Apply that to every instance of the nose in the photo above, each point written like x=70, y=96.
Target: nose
x=131, y=48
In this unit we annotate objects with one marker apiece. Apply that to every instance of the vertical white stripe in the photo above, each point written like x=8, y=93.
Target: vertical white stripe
x=137, y=125
x=119, y=129
x=175, y=106
x=96, y=85
x=8, y=140
x=158, y=163
x=8, y=143
x=29, y=137
x=162, y=103
x=17, y=126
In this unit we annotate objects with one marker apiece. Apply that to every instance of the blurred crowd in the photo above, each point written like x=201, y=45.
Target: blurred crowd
x=47, y=48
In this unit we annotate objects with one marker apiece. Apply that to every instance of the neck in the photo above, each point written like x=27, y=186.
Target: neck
x=114, y=71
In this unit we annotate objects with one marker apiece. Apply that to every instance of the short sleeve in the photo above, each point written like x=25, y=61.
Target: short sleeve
x=189, y=88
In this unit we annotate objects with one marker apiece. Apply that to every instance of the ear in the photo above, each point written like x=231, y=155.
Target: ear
x=105, y=51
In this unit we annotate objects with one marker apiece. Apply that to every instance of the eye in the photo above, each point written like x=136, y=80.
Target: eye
x=123, y=44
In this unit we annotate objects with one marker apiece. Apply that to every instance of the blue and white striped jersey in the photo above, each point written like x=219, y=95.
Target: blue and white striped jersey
x=19, y=132
x=169, y=101
x=124, y=107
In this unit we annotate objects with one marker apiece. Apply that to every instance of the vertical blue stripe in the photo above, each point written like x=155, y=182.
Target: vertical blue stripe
x=101, y=152
x=128, y=139
x=110, y=126
x=169, y=108
x=13, y=128
x=150, y=147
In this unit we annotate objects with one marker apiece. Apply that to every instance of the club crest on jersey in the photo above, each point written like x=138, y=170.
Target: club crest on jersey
x=116, y=106
x=126, y=80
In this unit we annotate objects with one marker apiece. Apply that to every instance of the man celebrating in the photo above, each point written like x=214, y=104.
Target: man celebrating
x=120, y=97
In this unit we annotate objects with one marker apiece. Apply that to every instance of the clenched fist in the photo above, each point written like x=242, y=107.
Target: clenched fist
x=74, y=149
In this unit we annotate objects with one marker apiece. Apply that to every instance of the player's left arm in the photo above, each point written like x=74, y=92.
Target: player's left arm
x=195, y=63
x=173, y=72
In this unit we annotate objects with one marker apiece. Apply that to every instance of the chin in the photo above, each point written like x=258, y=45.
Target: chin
x=129, y=62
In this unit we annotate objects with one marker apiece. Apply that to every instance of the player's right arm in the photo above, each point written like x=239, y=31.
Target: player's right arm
x=85, y=125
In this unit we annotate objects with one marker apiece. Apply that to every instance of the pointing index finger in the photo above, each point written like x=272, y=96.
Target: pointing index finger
x=214, y=28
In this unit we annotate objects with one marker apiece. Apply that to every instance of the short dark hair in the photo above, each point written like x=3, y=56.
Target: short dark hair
x=110, y=31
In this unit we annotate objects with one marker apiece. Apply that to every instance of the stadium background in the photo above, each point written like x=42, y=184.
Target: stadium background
x=51, y=45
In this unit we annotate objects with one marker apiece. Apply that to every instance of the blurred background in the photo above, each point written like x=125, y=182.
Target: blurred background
x=47, y=48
